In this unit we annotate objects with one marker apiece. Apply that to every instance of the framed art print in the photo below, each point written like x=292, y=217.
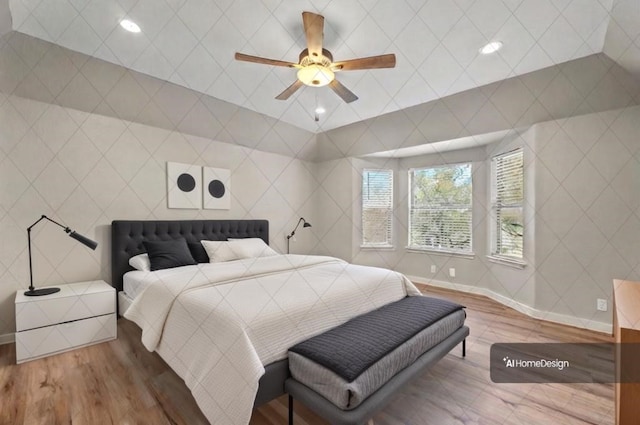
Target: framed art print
x=184, y=186
x=216, y=188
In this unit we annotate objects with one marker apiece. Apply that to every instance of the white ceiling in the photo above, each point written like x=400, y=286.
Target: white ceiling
x=192, y=43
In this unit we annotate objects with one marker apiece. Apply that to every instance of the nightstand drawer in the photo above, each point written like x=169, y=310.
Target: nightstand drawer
x=41, y=342
x=73, y=302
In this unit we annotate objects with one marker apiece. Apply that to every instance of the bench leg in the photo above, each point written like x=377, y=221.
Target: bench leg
x=290, y=410
x=464, y=347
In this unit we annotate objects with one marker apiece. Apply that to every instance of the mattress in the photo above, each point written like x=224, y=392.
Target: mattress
x=348, y=395
x=135, y=282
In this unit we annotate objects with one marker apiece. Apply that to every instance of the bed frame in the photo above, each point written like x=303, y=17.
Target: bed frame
x=126, y=241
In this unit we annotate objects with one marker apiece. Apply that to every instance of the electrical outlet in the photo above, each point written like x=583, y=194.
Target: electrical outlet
x=452, y=272
x=433, y=268
x=601, y=304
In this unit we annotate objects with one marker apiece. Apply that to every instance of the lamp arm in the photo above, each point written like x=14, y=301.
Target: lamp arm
x=29, y=246
x=37, y=221
x=296, y=228
x=44, y=217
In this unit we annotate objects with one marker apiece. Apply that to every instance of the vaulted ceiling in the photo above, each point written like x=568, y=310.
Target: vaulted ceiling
x=192, y=43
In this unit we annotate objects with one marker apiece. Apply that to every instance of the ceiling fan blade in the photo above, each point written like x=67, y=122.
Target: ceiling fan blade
x=346, y=94
x=314, y=31
x=286, y=94
x=372, y=62
x=258, y=59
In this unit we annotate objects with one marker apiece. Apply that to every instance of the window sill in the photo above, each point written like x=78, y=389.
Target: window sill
x=377, y=247
x=516, y=264
x=467, y=255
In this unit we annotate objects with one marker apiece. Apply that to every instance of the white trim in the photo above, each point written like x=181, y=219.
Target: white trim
x=447, y=165
x=563, y=319
x=377, y=247
x=7, y=338
x=516, y=264
x=430, y=251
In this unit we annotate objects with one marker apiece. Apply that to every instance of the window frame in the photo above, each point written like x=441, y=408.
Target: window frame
x=388, y=245
x=467, y=253
x=496, y=208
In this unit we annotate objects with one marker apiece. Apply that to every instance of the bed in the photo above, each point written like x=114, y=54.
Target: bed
x=277, y=302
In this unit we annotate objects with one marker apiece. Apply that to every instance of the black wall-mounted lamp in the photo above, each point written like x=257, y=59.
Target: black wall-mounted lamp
x=306, y=224
x=32, y=292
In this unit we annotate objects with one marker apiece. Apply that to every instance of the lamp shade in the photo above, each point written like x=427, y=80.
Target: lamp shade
x=84, y=240
x=304, y=222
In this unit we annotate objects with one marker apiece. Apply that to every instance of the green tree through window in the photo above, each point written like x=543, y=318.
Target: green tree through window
x=440, y=210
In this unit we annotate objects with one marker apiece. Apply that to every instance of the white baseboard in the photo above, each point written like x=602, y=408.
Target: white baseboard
x=7, y=338
x=564, y=319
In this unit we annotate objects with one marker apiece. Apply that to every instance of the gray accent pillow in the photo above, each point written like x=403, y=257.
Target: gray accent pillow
x=168, y=254
x=198, y=252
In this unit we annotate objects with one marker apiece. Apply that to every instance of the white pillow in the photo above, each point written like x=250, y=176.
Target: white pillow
x=140, y=262
x=219, y=251
x=251, y=247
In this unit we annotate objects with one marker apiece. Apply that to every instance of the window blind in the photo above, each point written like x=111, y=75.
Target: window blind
x=507, y=204
x=377, y=207
x=440, y=209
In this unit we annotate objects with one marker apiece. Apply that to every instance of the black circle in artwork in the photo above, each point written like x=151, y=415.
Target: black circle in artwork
x=186, y=182
x=216, y=188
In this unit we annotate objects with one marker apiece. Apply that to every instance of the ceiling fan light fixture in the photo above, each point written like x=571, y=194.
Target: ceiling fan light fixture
x=316, y=75
x=492, y=47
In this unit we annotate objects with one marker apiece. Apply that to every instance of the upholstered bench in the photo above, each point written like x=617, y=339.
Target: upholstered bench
x=350, y=372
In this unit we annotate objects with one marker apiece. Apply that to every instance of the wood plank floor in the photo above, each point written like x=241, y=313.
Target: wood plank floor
x=119, y=382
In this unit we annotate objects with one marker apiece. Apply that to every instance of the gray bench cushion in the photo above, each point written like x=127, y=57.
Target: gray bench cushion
x=349, y=394
x=353, y=347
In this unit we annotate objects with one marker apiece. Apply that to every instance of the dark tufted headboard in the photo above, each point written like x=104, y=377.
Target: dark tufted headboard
x=127, y=237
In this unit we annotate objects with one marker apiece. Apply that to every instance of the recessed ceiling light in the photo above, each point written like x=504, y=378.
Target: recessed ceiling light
x=492, y=47
x=320, y=110
x=129, y=25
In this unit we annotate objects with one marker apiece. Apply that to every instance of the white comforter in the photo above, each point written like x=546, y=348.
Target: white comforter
x=217, y=324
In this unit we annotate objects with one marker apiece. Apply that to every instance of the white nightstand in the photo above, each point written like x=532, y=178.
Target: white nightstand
x=80, y=314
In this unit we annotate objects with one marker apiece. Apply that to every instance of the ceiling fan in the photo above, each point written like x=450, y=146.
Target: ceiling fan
x=316, y=67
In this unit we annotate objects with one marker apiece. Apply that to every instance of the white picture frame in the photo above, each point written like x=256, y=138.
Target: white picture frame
x=216, y=188
x=184, y=186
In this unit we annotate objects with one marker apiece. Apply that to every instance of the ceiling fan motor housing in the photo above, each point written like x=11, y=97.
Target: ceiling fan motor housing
x=325, y=59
